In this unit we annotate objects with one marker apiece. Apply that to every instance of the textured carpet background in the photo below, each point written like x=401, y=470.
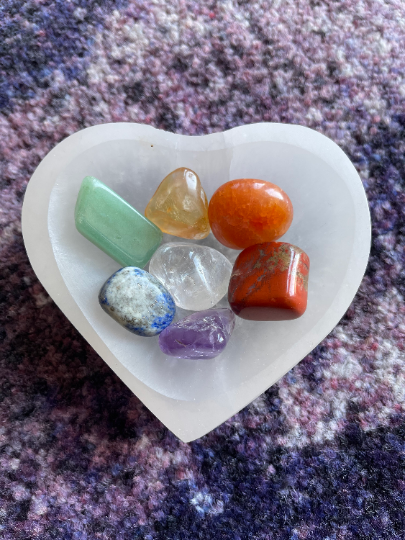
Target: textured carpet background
x=321, y=455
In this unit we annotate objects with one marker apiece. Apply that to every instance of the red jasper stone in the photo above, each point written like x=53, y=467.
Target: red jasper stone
x=269, y=282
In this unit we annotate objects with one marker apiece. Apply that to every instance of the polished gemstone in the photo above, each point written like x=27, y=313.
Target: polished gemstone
x=137, y=301
x=114, y=226
x=245, y=212
x=204, y=334
x=270, y=282
x=179, y=206
x=196, y=276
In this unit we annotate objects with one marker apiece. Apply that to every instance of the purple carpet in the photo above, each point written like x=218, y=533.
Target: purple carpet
x=319, y=456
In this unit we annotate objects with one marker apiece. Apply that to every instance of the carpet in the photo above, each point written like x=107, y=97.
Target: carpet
x=321, y=454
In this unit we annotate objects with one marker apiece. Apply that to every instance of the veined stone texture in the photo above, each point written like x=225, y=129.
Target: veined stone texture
x=137, y=301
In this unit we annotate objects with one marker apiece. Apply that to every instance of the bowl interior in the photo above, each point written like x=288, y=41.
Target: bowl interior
x=323, y=226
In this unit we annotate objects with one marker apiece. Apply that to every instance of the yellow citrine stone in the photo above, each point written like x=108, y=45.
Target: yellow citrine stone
x=180, y=206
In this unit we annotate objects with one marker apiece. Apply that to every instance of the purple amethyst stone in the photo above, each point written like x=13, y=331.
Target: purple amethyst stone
x=203, y=334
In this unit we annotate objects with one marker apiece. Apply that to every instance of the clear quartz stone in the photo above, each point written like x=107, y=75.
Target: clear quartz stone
x=196, y=276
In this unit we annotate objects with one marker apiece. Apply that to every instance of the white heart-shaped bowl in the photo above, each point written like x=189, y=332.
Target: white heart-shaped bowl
x=331, y=224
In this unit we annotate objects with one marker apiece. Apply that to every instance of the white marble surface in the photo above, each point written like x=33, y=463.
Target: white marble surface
x=331, y=223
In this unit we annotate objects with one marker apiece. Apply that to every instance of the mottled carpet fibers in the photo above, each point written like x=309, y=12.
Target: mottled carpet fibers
x=321, y=454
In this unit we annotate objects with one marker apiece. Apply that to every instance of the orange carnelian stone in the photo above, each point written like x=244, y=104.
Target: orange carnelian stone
x=269, y=282
x=246, y=212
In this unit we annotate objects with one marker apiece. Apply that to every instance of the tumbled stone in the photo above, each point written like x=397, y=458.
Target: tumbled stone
x=179, y=206
x=204, y=334
x=137, y=301
x=247, y=211
x=196, y=276
x=114, y=226
x=269, y=282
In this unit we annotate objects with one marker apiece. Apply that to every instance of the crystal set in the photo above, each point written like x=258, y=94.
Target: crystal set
x=268, y=282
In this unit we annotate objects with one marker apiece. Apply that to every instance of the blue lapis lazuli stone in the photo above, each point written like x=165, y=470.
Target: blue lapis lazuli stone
x=137, y=301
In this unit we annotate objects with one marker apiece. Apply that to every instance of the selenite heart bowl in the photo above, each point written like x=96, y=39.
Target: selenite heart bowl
x=331, y=224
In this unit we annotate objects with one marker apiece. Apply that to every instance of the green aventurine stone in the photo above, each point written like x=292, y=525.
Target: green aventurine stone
x=114, y=226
